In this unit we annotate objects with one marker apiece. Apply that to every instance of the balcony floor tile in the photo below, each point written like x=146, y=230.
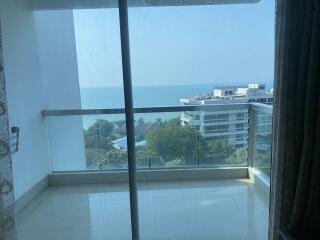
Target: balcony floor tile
x=188, y=210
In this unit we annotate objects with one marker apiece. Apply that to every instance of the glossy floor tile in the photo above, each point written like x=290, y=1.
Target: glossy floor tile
x=188, y=210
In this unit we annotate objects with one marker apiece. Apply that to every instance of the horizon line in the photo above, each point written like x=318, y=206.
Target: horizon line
x=171, y=85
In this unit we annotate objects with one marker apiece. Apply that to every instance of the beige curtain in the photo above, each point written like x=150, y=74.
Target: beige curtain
x=7, y=229
x=295, y=191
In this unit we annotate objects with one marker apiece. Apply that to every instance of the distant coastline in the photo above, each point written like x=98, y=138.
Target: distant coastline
x=143, y=96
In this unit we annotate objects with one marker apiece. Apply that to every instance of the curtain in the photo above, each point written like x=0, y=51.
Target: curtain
x=295, y=181
x=7, y=229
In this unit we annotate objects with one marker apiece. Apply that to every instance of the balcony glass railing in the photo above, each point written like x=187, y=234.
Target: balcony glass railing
x=262, y=134
x=96, y=139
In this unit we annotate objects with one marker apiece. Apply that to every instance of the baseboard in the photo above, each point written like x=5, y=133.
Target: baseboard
x=63, y=178
x=31, y=194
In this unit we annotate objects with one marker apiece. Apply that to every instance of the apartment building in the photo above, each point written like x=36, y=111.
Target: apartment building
x=225, y=125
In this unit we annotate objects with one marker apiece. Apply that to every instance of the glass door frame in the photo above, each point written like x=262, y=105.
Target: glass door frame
x=129, y=113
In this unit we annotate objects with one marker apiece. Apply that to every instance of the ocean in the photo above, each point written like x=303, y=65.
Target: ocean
x=146, y=96
x=143, y=96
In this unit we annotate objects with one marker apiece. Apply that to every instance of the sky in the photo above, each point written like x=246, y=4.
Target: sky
x=217, y=44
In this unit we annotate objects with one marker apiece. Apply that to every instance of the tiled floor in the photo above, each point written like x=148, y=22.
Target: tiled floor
x=182, y=210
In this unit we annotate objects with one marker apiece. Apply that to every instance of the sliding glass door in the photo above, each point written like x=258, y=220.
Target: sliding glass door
x=151, y=102
x=80, y=55
x=182, y=54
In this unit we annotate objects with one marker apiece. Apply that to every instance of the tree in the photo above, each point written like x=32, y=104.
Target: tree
x=174, y=142
x=113, y=159
x=240, y=156
x=102, y=127
x=97, y=142
x=140, y=121
x=216, y=152
x=159, y=122
x=143, y=157
x=175, y=163
x=262, y=160
x=92, y=156
x=175, y=121
x=220, y=149
x=99, y=135
x=98, y=139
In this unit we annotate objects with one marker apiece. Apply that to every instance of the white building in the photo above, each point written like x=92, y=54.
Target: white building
x=225, y=125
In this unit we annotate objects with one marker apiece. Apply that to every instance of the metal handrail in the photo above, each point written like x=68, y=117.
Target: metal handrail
x=191, y=108
x=85, y=4
x=262, y=107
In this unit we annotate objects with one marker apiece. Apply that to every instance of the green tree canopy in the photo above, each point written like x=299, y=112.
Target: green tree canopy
x=173, y=141
x=240, y=156
x=102, y=127
x=113, y=159
x=220, y=149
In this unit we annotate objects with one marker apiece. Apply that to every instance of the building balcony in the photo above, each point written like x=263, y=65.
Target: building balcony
x=189, y=187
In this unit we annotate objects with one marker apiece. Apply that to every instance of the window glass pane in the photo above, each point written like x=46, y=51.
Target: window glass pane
x=197, y=55
x=80, y=65
x=98, y=47
x=263, y=142
x=81, y=69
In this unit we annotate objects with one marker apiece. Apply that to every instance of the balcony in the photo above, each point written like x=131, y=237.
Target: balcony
x=208, y=209
x=202, y=171
x=189, y=186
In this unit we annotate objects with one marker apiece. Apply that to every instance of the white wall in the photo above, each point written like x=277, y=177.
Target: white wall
x=58, y=59
x=24, y=94
x=41, y=73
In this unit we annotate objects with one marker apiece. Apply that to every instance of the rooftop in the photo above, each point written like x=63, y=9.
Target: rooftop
x=232, y=93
